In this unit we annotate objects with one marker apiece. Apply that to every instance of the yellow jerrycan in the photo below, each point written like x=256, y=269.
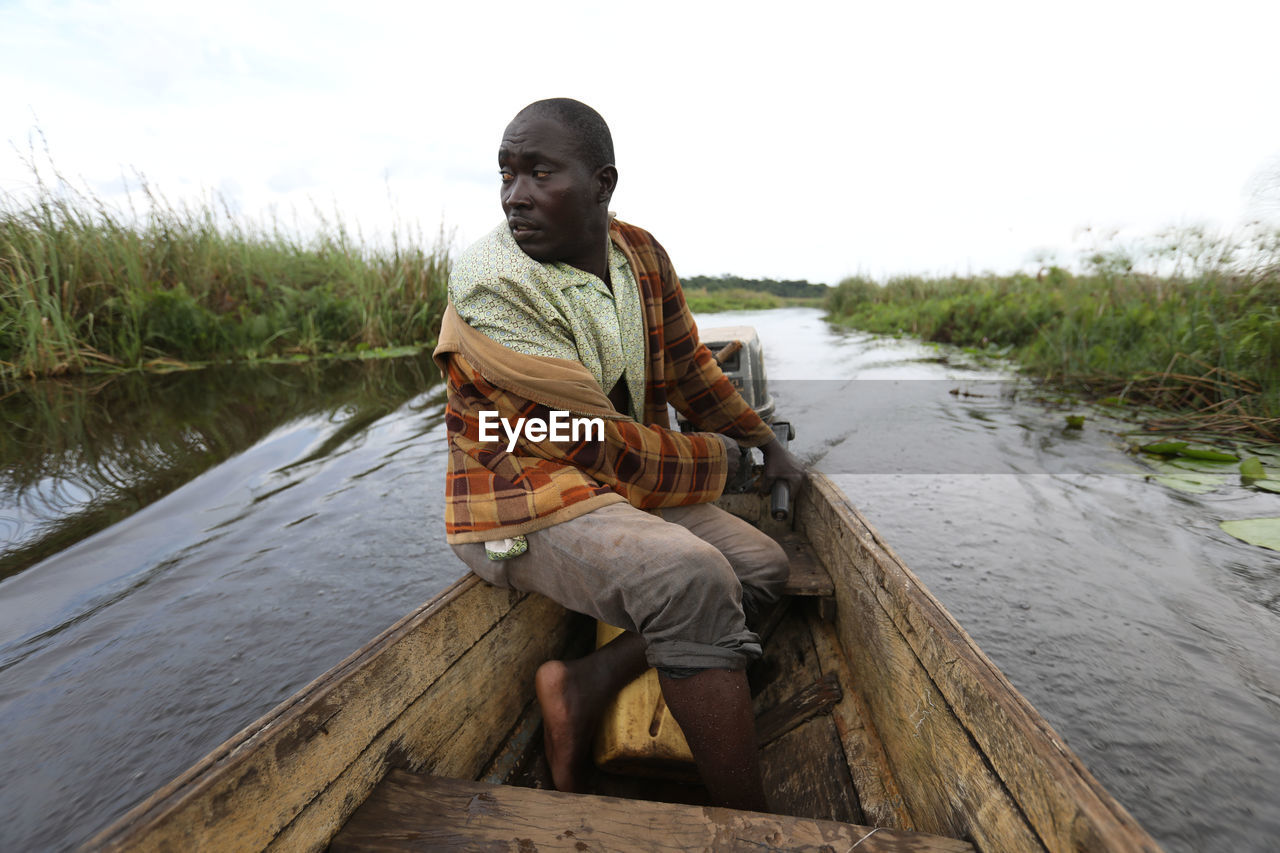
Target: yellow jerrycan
x=638, y=736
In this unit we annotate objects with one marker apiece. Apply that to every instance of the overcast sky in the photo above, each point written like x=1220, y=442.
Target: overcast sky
x=781, y=139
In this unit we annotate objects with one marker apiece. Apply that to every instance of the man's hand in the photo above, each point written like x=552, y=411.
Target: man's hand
x=781, y=464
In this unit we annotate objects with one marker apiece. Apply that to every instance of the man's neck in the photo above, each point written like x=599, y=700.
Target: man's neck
x=597, y=263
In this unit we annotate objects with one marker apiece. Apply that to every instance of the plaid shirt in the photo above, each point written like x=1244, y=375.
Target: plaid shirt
x=492, y=493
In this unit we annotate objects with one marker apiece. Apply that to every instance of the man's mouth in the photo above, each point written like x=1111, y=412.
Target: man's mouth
x=521, y=228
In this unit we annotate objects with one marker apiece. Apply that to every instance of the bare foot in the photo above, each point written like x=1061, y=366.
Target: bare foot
x=573, y=695
x=567, y=726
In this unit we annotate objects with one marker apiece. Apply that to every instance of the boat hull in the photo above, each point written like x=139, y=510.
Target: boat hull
x=926, y=735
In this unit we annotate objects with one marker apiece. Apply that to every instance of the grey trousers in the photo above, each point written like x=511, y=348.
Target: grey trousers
x=681, y=581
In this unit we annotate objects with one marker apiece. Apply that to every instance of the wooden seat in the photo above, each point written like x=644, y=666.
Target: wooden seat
x=407, y=811
x=807, y=577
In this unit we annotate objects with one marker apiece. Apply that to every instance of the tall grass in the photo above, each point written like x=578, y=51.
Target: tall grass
x=84, y=285
x=704, y=302
x=1193, y=326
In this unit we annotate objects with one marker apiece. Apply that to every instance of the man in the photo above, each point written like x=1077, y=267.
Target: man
x=563, y=309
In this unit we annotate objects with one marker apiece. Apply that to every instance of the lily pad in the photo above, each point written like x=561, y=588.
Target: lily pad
x=1204, y=466
x=1190, y=485
x=1269, y=457
x=1163, y=448
x=1251, y=469
x=1184, y=480
x=1208, y=454
x=1254, y=473
x=1263, y=532
x=1268, y=454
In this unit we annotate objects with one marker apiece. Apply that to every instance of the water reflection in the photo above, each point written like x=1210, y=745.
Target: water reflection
x=79, y=455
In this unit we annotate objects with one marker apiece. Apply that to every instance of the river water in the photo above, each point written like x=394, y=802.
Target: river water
x=181, y=553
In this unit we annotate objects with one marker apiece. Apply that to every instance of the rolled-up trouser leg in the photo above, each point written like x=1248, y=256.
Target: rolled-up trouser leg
x=640, y=573
x=759, y=562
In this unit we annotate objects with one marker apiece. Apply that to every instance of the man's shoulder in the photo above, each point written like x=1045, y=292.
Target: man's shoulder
x=494, y=251
x=492, y=262
x=633, y=235
x=643, y=246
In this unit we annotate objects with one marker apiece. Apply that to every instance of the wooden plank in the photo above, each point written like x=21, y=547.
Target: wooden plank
x=410, y=812
x=454, y=728
x=946, y=784
x=808, y=577
x=516, y=748
x=805, y=774
x=260, y=781
x=803, y=769
x=789, y=660
x=969, y=753
x=869, y=768
x=808, y=702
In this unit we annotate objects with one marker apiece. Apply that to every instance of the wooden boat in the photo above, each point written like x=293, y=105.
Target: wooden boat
x=877, y=712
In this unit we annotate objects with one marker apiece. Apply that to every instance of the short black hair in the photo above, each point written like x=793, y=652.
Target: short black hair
x=595, y=143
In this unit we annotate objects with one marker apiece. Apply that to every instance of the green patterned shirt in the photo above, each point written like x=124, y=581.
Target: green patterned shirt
x=554, y=309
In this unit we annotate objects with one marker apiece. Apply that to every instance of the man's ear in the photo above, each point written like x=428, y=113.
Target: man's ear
x=606, y=181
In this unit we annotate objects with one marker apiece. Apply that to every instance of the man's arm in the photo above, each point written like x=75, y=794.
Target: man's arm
x=700, y=391
x=648, y=465
x=695, y=384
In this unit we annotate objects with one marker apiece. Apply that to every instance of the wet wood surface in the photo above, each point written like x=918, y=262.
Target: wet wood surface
x=801, y=760
x=878, y=795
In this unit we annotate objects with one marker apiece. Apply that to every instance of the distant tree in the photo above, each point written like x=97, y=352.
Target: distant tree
x=728, y=281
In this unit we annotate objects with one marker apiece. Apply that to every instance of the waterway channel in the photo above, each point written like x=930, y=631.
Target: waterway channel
x=181, y=553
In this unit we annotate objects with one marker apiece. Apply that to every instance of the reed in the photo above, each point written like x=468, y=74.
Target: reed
x=1199, y=336
x=84, y=286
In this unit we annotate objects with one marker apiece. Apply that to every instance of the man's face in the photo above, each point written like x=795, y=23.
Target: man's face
x=552, y=200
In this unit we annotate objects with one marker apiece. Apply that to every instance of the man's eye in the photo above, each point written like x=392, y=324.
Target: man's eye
x=506, y=176
x=541, y=173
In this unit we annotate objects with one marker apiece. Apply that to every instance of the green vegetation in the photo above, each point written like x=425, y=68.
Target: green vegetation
x=704, y=302
x=1201, y=340
x=711, y=294
x=83, y=286
x=788, y=290
x=1263, y=532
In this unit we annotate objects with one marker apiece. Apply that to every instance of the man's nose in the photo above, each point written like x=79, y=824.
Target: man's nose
x=516, y=192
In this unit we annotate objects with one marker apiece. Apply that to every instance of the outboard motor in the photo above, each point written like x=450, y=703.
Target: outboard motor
x=741, y=356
